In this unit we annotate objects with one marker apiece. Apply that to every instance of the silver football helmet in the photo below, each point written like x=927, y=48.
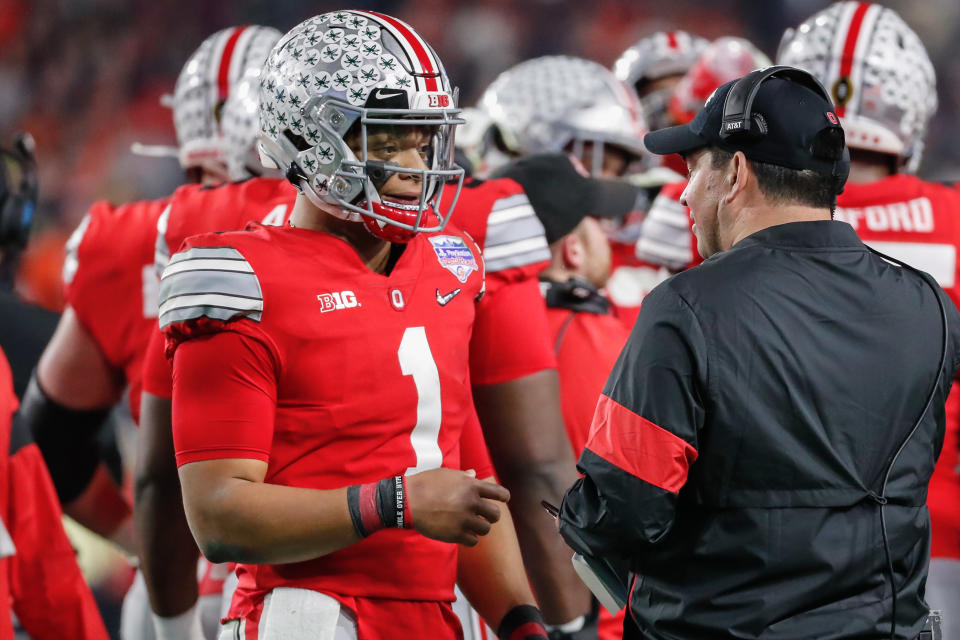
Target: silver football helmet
x=205, y=86
x=347, y=71
x=877, y=70
x=557, y=103
x=662, y=54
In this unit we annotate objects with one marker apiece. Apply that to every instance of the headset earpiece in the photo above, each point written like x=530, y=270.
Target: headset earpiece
x=17, y=202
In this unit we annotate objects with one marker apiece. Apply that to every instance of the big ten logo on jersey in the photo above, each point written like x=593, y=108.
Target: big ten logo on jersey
x=276, y=216
x=337, y=300
x=913, y=216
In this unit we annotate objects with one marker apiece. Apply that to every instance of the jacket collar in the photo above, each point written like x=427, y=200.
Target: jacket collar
x=817, y=234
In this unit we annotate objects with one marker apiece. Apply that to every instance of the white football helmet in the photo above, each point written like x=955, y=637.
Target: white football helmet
x=203, y=88
x=662, y=54
x=556, y=103
x=347, y=68
x=877, y=71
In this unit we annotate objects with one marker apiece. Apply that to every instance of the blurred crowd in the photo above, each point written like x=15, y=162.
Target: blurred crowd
x=86, y=76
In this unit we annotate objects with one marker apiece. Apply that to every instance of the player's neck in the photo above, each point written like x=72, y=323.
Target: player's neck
x=373, y=251
x=866, y=166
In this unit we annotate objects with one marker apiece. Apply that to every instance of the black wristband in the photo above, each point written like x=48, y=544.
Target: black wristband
x=523, y=622
x=392, y=503
x=353, y=504
x=379, y=505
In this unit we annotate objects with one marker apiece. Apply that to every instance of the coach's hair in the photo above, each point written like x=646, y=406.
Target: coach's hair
x=782, y=185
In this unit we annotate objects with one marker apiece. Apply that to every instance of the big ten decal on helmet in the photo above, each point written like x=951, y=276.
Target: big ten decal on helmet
x=328, y=84
x=207, y=82
x=877, y=70
x=561, y=103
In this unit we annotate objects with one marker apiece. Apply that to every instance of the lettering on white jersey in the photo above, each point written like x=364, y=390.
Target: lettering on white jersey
x=515, y=236
x=212, y=282
x=337, y=300
x=71, y=261
x=914, y=216
x=275, y=217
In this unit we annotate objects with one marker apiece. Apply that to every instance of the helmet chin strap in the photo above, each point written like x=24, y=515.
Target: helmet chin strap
x=327, y=204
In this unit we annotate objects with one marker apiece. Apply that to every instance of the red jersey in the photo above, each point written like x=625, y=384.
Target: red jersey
x=39, y=576
x=194, y=210
x=111, y=285
x=511, y=335
x=587, y=341
x=919, y=222
x=363, y=369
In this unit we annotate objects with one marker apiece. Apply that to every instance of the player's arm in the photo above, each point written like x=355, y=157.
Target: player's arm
x=644, y=436
x=523, y=425
x=64, y=407
x=168, y=553
x=224, y=402
x=491, y=576
x=50, y=597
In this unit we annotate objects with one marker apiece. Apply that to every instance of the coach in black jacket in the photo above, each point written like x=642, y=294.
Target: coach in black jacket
x=739, y=451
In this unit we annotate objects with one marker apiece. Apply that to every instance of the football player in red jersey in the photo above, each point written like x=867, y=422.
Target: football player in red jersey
x=542, y=110
x=321, y=404
x=111, y=291
x=884, y=88
x=39, y=577
x=167, y=551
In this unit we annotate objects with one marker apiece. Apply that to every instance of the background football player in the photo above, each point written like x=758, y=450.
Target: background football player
x=884, y=88
x=38, y=565
x=111, y=291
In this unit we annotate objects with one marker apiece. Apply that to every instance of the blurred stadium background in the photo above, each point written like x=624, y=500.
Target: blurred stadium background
x=85, y=77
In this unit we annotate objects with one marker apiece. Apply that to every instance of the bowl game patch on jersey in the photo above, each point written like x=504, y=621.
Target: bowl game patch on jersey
x=454, y=255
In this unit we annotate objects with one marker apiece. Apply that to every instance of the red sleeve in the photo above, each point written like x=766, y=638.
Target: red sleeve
x=49, y=594
x=511, y=335
x=157, y=374
x=473, y=448
x=224, y=398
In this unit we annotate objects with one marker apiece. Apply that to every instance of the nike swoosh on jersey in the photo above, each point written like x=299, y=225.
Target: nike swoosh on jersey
x=442, y=300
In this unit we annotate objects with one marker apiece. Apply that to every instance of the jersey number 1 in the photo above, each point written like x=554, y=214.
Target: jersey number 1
x=417, y=361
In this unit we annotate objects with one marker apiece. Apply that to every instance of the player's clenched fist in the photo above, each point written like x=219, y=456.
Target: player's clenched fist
x=453, y=506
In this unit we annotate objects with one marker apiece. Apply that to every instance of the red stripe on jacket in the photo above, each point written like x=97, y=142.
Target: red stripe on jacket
x=639, y=447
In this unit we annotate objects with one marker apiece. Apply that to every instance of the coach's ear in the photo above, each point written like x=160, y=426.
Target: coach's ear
x=737, y=177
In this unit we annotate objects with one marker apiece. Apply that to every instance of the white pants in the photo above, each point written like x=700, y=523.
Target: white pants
x=943, y=593
x=297, y=614
x=474, y=628
x=136, y=617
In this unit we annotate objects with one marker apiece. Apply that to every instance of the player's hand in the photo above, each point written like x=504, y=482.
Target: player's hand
x=453, y=506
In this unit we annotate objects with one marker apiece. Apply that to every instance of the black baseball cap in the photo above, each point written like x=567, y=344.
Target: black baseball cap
x=562, y=196
x=794, y=115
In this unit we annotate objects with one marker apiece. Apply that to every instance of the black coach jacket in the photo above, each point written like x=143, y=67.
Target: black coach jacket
x=737, y=456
